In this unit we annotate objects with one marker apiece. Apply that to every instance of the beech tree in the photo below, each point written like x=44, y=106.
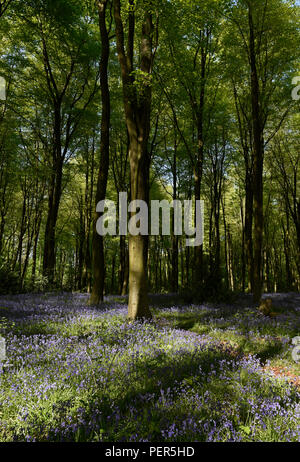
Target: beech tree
x=261, y=32
x=98, y=250
x=162, y=100
x=136, y=81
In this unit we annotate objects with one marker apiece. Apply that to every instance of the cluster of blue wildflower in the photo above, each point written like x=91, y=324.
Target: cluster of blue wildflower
x=83, y=374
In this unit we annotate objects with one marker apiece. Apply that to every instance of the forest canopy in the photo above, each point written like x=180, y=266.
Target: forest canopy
x=165, y=100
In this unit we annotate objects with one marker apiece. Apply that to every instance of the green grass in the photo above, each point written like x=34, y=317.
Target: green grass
x=268, y=339
x=80, y=374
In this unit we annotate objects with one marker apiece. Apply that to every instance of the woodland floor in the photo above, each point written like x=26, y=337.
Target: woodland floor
x=210, y=372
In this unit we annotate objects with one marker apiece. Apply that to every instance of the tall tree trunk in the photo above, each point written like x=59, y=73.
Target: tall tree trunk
x=137, y=105
x=182, y=264
x=18, y=255
x=81, y=242
x=55, y=192
x=126, y=274
x=257, y=164
x=174, y=285
x=243, y=248
x=37, y=227
x=230, y=259
x=225, y=241
x=198, y=168
x=89, y=221
x=287, y=250
x=98, y=249
x=187, y=266
x=122, y=245
x=248, y=228
x=138, y=291
x=245, y=130
x=112, y=285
